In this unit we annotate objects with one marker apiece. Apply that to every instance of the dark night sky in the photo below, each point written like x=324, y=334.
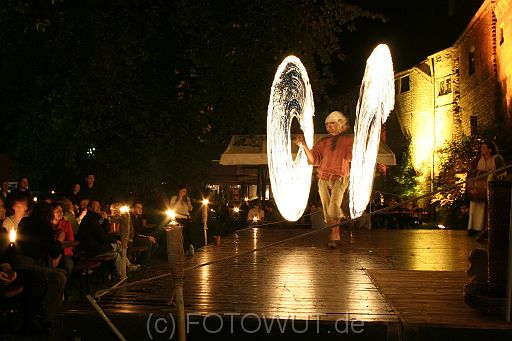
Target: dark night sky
x=415, y=29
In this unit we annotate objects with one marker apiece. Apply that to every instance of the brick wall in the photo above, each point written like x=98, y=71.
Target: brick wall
x=503, y=13
x=478, y=88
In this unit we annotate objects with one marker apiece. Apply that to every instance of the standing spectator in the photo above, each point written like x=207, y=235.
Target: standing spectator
x=182, y=206
x=63, y=232
x=487, y=160
x=5, y=190
x=19, y=207
x=332, y=155
x=20, y=191
x=74, y=195
x=88, y=190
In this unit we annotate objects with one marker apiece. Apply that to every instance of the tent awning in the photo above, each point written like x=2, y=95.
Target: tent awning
x=252, y=150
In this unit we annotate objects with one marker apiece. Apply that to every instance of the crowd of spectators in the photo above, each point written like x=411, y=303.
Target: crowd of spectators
x=51, y=235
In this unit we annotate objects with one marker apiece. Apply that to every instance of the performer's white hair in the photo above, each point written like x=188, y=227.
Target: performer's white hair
x=338, y=117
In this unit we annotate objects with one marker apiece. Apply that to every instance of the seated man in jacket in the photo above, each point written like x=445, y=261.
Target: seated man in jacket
x=95, y=240
x=36, y=249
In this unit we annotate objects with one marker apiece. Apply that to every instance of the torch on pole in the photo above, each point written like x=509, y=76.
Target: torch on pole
x=125, y=226
x=175, y=257
x=205, y=220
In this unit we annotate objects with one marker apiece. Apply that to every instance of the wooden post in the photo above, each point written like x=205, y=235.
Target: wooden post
x=205, y=221
x=125, y=236
x=175, y=258
x=509, y=273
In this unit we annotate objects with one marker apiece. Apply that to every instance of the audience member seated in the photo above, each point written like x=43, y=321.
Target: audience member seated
x=256, y=214
x=43, y=285
x=69, y=214
x=19, y=209
x=271, y=213
x=96, y=241
x=7, y=274
x=3, y=210
x=142, y=234
x=82, y=209
x=63, y=232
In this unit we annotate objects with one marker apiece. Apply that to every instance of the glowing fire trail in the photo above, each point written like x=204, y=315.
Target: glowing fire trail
x=376, y=100
x=291, y=96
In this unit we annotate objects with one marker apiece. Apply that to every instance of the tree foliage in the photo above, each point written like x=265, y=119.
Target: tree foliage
x=155, y=87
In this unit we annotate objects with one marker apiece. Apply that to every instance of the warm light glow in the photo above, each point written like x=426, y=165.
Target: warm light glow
x=35, y=199
x=206, y=201
x=53, y=192
x=171, y=214
x=376, y=100
x=441, y=226
x=255, y=219
x=124, y=209
x=12, y=236
x=236, y=209
x=246, y=199
x=290, y=97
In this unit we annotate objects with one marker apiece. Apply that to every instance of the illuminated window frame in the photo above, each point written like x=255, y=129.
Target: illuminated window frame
x=405, y=84
x=471, y=61
x=473, y=123
x=445, y=86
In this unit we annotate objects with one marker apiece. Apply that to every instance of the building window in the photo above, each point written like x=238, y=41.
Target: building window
x=474, y=124
x=404, y=84
x=445, y=86
x=471, y=60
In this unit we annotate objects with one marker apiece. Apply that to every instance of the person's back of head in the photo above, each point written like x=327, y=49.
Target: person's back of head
x=477, y=270
x=42, y=211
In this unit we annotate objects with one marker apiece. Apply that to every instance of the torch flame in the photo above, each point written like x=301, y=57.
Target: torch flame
x=12, y=236
x=171, y=214
x=291, y=98
x=376, y=100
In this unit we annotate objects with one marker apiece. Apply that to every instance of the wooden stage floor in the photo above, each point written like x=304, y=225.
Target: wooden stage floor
x=379, y=285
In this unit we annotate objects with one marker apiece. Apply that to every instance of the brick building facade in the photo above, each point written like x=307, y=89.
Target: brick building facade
x=458, y=91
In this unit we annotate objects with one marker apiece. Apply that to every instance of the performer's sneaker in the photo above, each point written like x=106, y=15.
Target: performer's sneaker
x=333, y=244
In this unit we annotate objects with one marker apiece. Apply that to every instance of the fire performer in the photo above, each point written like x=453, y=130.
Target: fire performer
x=332, y=155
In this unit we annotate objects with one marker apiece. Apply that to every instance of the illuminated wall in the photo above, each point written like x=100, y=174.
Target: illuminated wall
x=457, y=91
x=503, y=10
x=427, y=109
x=478, y=90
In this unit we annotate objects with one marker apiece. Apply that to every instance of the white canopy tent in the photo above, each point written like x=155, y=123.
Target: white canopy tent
x=252, y=150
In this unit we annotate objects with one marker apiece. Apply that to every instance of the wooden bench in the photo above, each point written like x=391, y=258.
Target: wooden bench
x=106, y=261
x=83, y=269
x=134, y=252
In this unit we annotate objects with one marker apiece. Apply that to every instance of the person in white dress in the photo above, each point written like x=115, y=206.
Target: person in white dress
x=487, y=160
